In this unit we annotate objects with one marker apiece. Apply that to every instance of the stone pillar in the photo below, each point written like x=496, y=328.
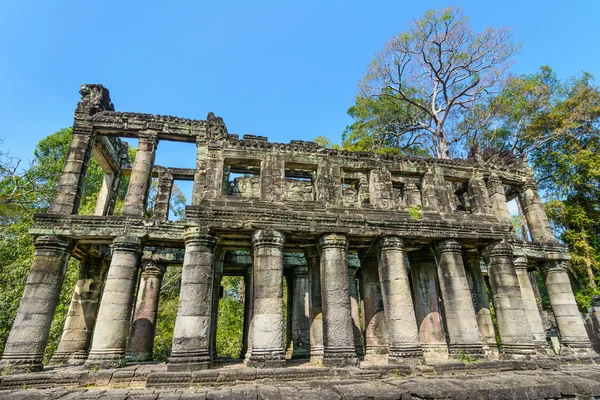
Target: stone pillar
x=163, y=197
x=83, y=311
x=481, y=301
x=104, y=196
x=267, y=332
x=461, y=322
x=141, y=339
x=70, y=186
x=216, y=297
x=114, y=315
x=141, y=176
x=594, y=323
x=315, y=313
x=539, y=226
x=287, y=346
x=353, y=292
x=516, y=338
x=28, y=337
x=300, y=317
x=498, y=199
x=427, y=305
x=248, y=310
x=338, y=338
x=191, y=339
x=479, y=198
x=573, y=335
x=403, y=333
x=530, y=304
x=373, y=314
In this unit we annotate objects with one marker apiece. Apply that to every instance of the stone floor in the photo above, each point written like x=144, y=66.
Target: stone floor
x=545, y=379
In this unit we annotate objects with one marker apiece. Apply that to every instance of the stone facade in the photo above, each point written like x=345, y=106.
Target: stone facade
x=398, y=260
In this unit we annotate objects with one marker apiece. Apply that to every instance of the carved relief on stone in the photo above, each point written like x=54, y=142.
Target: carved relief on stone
x=380, y=189
x=95, y=98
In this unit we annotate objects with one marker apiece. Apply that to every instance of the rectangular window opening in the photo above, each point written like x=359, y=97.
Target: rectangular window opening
x=241, y=178
x=300, y=182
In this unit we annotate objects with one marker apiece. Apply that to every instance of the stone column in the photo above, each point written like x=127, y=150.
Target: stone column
x=267, y=332
x=216, y=298
x=593, y=323
x=83, y=311
x=403, y=334
x=300, y=317
x=530, y=305
x=427, y=305
x=248, y=310
x=539, y=226
x=141, y=339
x=461, y=322
x=353, y=292
x=191, y=339
x=498, y=199
x=163, y=197
x=287, y=345
x=373, y=314
x=28, y=337
x=70, y=186
x=481, y=301
x=338, y=338
x=315, y=313
x=573, y=335
x=104, y=196
x=114, y=315
x=516, y=338
x=139, y=182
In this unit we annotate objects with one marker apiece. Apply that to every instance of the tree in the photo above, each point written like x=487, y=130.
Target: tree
x=438, y=72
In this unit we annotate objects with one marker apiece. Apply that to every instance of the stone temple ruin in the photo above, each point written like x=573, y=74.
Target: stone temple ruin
x=430, y=243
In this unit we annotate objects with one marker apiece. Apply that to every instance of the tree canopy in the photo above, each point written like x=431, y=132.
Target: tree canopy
x=427, y=82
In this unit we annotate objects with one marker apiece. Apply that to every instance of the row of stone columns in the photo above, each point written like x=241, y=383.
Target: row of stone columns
x=458, y=324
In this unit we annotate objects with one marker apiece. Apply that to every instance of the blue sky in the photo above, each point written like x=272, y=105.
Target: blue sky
x=282, y=69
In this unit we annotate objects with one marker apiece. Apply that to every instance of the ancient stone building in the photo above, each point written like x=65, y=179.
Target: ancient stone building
x=387, y=259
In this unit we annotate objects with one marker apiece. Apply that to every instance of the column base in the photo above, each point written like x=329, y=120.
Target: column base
x=316, y=351
x=105, y=359
x=376, y=349
x=340, y=357
x=466, y=352
x=435, y=352
x=189, y=361
x=577, y=349
x=64, y=358
x=266, y=358
x=20, y=363
x=138, y=357
x=518, y=351
x=406, y=354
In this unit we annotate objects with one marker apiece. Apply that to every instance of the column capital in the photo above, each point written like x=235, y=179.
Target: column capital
x=500, y=249
x=391, y=243
x=128, y=244
x=197, y=235
x=268, y=237
x=46, y=242
x=448, y=246
x=520, y=262
x=333, y=240
x=299, y=271
x=148, y=136
x=554, y=266
x=311, y=252
x=151, y=267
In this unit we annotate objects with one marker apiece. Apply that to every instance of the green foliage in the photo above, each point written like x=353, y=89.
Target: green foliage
x=167, y=313
x=230, y=322
x=415, y=211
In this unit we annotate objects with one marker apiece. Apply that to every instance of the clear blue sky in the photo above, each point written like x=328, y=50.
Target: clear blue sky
x=282, y=69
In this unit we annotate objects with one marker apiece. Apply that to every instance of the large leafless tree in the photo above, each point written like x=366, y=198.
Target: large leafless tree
x=442, y=70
